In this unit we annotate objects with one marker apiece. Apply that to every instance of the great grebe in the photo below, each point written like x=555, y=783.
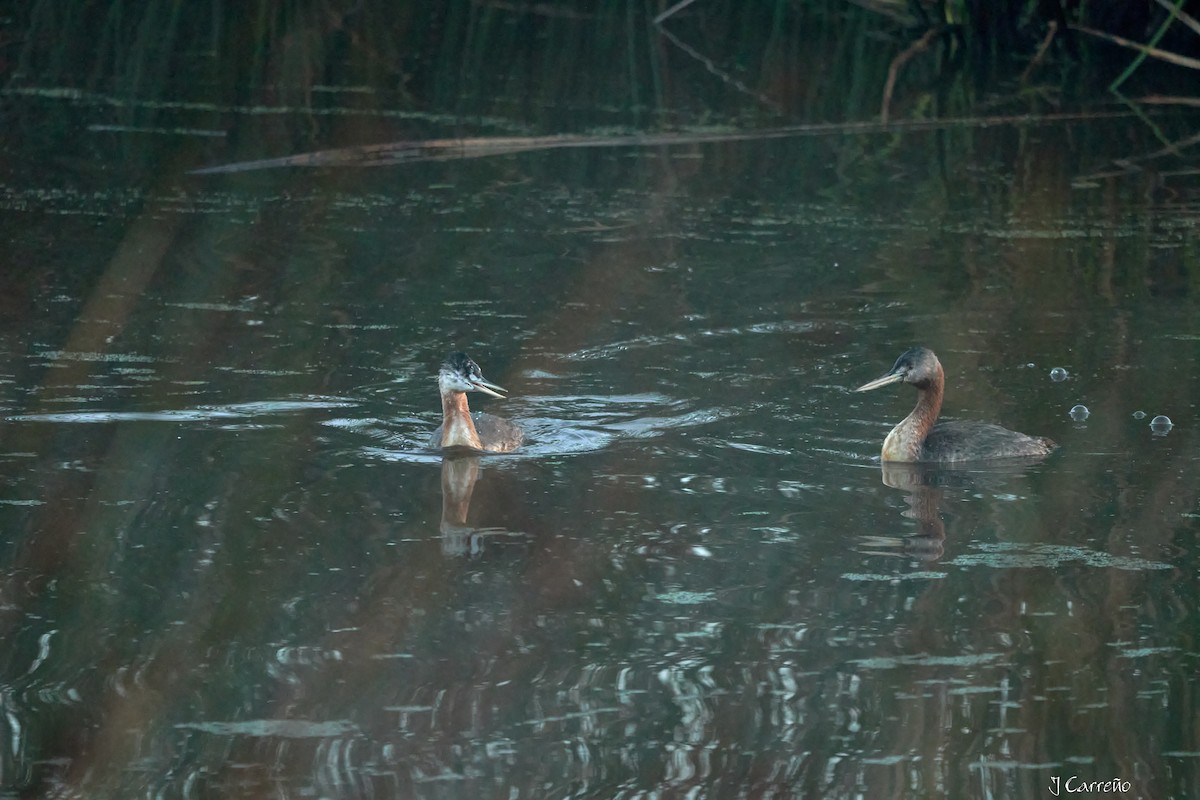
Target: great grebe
x=917, y=438
x=457, y=376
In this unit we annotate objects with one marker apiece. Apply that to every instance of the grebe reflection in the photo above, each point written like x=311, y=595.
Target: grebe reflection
x=457, y=376
x=918, y=438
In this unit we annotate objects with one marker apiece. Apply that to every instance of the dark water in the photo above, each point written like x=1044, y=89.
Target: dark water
x=228, y=568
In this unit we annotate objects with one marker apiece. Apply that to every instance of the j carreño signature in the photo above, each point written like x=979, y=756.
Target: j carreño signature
x=1076, y=785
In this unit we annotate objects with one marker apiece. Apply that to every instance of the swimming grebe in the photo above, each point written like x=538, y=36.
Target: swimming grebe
x=917, y=438
x=457, y=376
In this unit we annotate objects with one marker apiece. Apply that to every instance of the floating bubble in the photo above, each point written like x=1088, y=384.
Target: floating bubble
x=1079, y=413
x=1058, y=374
x=1161, y=425
x=1139, y=415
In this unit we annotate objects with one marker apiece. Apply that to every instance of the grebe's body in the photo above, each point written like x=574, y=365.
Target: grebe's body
x=919, y=437
x=460, y=428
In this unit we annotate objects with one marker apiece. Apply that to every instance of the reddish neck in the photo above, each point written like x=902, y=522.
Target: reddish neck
x=457, y=428
x=907, y=439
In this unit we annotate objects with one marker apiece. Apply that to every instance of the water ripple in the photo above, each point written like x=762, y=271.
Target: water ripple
x=198, y=414
x=1012, y=554
x=283, y=728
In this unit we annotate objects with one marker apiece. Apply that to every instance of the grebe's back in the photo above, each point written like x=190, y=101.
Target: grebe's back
x=966, y=440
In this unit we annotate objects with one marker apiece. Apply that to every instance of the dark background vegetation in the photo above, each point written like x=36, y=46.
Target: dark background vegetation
x=558, y=67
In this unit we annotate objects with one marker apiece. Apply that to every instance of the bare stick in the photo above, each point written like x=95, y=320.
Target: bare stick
x=899, y=61
x=715, y=70
x=1041, y=51
x=1181, y=15
x=682, y=4
x=394, y=153
x=537, y=9
x=1153, y=52
x=1169, y=100
x=1130, y=164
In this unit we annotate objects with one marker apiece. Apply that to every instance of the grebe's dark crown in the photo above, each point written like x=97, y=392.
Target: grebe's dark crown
x=911, y=358
x=462, y=364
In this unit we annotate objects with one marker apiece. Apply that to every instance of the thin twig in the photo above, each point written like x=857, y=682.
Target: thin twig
x=1153, y=52
x=1130, y=164
x=446, y=149
x=682, y=4
x=896, y=12
x=1169, y=100
x=708, y=63
x=536, y=9
x=1181, y=15
x=1142, y=54
x=725, y=77
x=1041, y=51
x=899, y=61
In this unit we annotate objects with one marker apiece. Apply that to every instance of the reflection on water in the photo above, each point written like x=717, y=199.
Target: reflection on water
x=924, y=487
x=676, y=585
x=459, y=537
x=1010, y=555
x=260, y=411
x=923, y=495
x=458, y=482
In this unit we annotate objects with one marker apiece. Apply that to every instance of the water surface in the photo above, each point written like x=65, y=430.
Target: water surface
x=231, y=569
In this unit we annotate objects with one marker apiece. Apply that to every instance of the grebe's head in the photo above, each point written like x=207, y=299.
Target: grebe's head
x=918, y=366
x=460, y=374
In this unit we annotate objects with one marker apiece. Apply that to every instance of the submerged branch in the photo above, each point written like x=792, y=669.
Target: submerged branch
x=378, y=155
x=535, y=9
x=1131, y=163
x=900, y=13
x=672, y=10
x=712, y=67
x=1169, y=100
x=1153, y=52
x=1178, y=13
x=1051, y=32
x=1145, y=50
x=920, y=45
